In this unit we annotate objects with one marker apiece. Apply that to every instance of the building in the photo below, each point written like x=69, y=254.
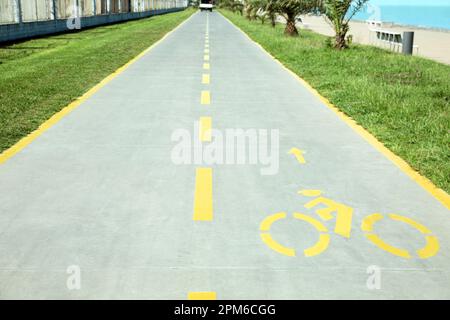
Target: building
x=20, y=19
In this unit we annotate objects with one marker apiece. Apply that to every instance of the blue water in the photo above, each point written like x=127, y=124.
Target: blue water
x=422, y=16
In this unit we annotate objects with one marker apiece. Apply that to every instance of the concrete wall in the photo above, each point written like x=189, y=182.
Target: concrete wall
x=20, y=19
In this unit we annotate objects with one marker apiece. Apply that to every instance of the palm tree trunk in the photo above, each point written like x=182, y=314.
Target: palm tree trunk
x=291, y=29
x=340, y=42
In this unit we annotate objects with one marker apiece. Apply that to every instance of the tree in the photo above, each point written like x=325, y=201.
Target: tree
x=339, y=13
x=235, y=6
x=261, y=11
x=251, y=8
x=290, y=9
x=270, y=10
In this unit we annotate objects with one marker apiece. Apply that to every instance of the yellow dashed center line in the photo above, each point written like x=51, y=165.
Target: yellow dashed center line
x=205, y=129
x=202, y=296
x=205, y=78
x=205, y=98
x=203, y=203
x=203, y=194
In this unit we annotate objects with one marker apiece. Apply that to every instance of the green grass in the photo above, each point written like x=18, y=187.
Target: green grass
x=39, y=77
x=403, y=101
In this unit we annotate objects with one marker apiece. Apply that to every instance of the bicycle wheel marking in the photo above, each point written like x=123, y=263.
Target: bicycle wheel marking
x=265, y=225
x=272, y=244
x=267, y=237
x=411, y=222
x=432, y=243
x=430, y=249
x=369, y=221
x=387, y=247
x=324, y=239
x=320, y=246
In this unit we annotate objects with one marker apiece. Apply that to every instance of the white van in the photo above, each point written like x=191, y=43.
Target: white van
x=206, y=5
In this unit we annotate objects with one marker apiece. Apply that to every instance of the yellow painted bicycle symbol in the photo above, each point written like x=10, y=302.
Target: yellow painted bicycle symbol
x=343, y=226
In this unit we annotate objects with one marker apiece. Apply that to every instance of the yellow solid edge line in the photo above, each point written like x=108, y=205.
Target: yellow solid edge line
x=431, y=248
x=203, y=202
x=424, y=182
x=267, y=238
x=22, y=143
x=319, y=247
x=205, y=79
x=411, y=222
x=202, y=296
x=206, y=66
x=267, y=222
x=205, y=97
x=205, y=129
x=387, y=247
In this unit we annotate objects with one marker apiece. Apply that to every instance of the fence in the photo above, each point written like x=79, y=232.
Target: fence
x=27, y=18
x=17, y=11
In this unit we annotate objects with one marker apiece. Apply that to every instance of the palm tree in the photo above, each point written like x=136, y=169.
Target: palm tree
x=339, y=14
x=250, y=9
x=270, y=11
x=290, y=9
x=235, y=6
x=261, y=11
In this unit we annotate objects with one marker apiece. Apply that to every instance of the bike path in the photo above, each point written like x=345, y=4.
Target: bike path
x=99, y=190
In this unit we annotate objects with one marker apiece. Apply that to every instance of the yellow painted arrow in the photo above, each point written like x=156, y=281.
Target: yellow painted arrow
x=298, y=154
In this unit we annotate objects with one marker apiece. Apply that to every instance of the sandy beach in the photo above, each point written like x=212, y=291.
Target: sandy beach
x=433, y=44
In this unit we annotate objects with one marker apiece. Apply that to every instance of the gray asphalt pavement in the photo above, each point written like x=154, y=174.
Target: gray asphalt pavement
x=96, y=207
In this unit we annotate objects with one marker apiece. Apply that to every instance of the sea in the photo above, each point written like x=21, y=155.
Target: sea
x=436, y=17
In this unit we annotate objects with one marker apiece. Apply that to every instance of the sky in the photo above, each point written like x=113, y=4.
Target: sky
x=411, y=2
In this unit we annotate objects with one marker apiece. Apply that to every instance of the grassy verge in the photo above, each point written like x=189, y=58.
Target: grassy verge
x=403, y=101
x=39, y=77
